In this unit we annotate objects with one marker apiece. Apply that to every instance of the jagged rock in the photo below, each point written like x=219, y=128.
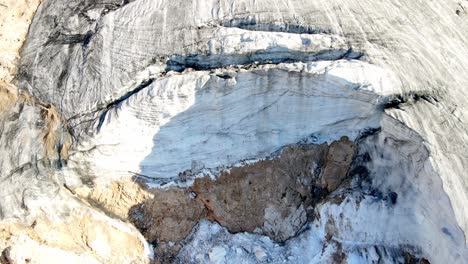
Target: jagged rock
x=217, y=255
x=81, y=237
x=115, y=199
x=339, y=158
x=282, y=225
x=166, y=252
x=169, y=216
x=260, y=254
x=275, y=195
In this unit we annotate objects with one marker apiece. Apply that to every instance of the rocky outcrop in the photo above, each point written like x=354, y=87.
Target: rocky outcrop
x=79, y=238
x=274, y=195
x=115, y=199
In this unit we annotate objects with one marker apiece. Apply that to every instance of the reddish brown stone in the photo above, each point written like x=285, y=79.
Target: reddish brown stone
x=275, y=197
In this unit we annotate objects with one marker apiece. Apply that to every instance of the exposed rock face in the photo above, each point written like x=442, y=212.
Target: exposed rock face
x=303, y=131
x=170, y=216
x=115, y=199
x=79, y=238
x=275, y=195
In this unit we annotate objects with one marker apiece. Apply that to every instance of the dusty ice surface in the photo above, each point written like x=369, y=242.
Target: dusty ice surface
x=198, y=117
x=157, y=88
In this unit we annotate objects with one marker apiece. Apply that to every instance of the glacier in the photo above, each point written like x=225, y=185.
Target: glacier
x=132, y=131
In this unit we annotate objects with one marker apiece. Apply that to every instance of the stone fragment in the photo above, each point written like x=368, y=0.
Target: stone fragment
x=339, y=158
x=260, y=254
x=115, y=198
x=169, y=216
x=217, y=254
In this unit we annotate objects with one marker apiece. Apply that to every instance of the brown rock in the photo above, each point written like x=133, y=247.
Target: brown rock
x=424, y=261
x=339, y=158
x=169, y=216
x=412, y=259
x=275, y=197
x=115, y=198
x=166, y=252
x=271, y=194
